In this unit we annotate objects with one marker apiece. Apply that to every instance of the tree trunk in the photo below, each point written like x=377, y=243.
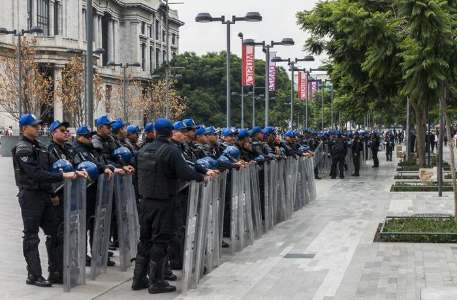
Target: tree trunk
x=421, y=122
x=451, y=145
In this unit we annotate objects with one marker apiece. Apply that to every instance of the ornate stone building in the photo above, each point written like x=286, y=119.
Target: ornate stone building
x=129, y=31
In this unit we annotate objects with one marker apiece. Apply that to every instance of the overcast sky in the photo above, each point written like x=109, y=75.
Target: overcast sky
x=279, y=20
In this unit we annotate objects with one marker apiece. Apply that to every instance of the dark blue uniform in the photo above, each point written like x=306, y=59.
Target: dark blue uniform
x=31, y=167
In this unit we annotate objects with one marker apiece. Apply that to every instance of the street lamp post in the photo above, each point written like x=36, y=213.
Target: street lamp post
x=266, y=49
x=206, y=18
x=241, y=36
x=124, y=67
x=19, y=34
x=291, y=63
x=322, y=96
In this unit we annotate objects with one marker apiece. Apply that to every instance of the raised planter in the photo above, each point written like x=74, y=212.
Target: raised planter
x=418, y=229
x=417, y=186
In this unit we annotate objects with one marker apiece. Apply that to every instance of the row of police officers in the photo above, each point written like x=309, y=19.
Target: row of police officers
x=163, y=162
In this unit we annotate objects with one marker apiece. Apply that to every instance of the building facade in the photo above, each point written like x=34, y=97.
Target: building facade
x=129, y=31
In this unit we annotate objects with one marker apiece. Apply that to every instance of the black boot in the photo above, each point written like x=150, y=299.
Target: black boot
x=140, y=280
x=37, y=281
x=169, y=275
x=157, y=284
x=55, y=278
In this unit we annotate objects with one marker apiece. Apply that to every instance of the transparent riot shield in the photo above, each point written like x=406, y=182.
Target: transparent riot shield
x=202, y=227
x=128, y=229
x=255, y=200
x=235, y=200
x=191, y=237
x=102, y=226
x=249, y=223
x=74, y=253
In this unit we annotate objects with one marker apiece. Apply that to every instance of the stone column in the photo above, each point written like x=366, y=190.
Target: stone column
x=100, y=31
x=115, y=40
x=110, y=50
x=58, y=107
x=95, y=24
x=51, y=18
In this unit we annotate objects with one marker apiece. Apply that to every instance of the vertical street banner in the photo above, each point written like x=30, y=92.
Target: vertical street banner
x=272, y=74
x=248, y=60
x=302, y=86
x=314, y=87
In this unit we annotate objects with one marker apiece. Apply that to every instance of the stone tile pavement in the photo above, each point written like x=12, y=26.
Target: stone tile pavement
x=329, y=242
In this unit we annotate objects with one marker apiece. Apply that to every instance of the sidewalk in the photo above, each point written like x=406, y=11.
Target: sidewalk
x=324, y=252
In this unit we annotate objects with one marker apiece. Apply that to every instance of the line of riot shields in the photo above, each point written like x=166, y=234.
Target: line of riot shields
x=253, y=199
x=119, y=190
x=256, y=198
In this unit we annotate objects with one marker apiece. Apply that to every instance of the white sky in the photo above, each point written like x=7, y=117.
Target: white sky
x=279, y=21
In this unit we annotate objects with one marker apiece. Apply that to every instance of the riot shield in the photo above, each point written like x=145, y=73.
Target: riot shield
x=202, y=226
x=255, y=200
x=74, y=251
x=102, y=226
x=128, y=229
x=234, y=224
x=191, y=235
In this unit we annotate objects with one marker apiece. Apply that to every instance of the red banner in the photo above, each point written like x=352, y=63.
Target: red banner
x=272, y=74
x=302, y=86
x=248, y=56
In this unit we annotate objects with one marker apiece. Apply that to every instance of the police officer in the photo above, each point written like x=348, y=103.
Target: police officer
x=390, y=145
x=149, y=134
x=31, y=168
x=59, y=148
x=374, y=149
x=160, y=166
x=104, y=145
x=84, y=151
x=244, y=144
x=133, y=135
x=338, y=152
x=356, y=148
x=201, y=148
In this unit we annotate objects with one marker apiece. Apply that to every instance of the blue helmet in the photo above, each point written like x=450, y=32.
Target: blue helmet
x=90, y=168
x=123, y=154
x=200, y=130
x=224, y=162
x=303, y=149
x=259, y=158
x=62, y=165
x=133, y=129
x=232, y=152
x=208, y=163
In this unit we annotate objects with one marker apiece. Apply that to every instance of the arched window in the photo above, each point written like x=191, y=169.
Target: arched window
x=43, y=15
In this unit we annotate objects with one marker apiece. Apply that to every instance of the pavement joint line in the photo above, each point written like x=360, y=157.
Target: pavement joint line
x=101, y=294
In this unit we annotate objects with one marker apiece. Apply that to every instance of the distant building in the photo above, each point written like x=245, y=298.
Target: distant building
x=129, y=31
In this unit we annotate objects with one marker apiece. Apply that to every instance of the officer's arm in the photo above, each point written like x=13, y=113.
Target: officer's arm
x=98, y=152
x=181, y=168
x=24, y=157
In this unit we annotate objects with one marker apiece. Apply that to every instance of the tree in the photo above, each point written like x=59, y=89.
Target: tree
x=157, y=96
x=203, y=86
x=70, y=89
x=36, y=86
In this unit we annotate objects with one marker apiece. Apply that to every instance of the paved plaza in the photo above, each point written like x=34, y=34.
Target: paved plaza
x=324, y=252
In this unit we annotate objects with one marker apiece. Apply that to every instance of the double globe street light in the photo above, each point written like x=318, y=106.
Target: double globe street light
x=207, y=18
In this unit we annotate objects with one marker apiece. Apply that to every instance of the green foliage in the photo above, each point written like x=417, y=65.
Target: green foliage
x=420, y=225
x=203, y=86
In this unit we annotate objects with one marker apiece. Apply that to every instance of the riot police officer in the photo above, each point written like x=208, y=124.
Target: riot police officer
x=374, y=149
x=149, y=134
x=160, y=166
x=31, y=168
x=59, y=148
x=84, y=152
x=356, y=148
x=133, y=135
x=338, y=152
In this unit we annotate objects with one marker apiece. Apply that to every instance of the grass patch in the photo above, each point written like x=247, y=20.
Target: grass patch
x=417, y=186
x=418, y=230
